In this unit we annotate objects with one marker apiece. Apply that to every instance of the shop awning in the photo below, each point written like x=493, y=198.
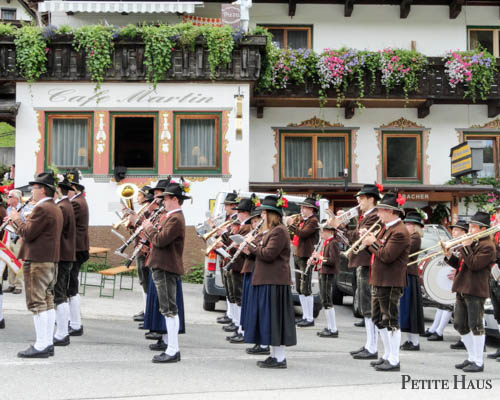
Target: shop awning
x=128, y=7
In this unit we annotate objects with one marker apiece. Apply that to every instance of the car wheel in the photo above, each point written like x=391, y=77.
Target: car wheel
x=355, y=305
x=337, y=295
x=208, y=306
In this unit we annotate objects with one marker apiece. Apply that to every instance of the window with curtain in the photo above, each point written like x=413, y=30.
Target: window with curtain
x=9, y=14
x=313, y=156
x=402, y=157
x=486, y=38
x=291, y=37
x=197, y=141
x=491, y=162
x=69, y=141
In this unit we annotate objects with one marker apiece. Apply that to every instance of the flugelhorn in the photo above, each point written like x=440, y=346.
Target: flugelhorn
x=208, y=235
x=127, y=192
x=124, y=221
x=358, y=245
x=345, y=217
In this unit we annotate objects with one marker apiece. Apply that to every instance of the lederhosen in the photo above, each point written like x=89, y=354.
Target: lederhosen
x=303, y=248
x=329, y=267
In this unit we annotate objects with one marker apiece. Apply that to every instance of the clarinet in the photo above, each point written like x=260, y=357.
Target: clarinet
x=316, y=249
x=4, y=225
x=242, y=246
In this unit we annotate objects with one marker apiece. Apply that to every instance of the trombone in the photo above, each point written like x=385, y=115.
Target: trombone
x=452, y=243
x=358, y=245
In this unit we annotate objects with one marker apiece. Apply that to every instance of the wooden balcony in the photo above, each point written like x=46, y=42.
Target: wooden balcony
x=433, y=89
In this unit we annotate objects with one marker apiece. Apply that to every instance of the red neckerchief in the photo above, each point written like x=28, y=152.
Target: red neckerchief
x=295, y=240
x=461, y=264
x=324, y=245
x=360, y=219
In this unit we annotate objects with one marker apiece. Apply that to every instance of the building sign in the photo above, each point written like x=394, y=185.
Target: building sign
x=231, y=15
x=461, y=159
x=418, y=196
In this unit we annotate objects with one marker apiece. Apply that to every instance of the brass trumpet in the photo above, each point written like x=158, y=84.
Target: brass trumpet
x=124, y=221
x=208, y=235
x=358, y=245
x=345, y=217
x=295, y=219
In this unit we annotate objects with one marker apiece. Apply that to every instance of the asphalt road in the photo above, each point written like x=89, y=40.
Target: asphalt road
x=112, y=361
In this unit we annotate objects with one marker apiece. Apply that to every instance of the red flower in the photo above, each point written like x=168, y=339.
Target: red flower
x=493, y=217
x=285, y=202
x=400, y=200
x=380, y=187
x=258, y=204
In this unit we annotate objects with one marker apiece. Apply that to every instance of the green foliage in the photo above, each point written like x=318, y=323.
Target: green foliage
x=31, y=52
x=268, y=60
x=187, y=35
x=7, y=135
x=439, y=213
x=220, y=45
x=195, y=275
x=130, y=31
x=97, y=43
x=7, y=30
x=65, y=30
x=484, y=201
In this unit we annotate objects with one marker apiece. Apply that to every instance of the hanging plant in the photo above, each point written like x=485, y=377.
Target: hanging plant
x=220, y=45
x=268, y=60
x=31, y=52
x=475, y=69
x=187, y=35
x=293, y=67
x=97, y=43
x=7, y=29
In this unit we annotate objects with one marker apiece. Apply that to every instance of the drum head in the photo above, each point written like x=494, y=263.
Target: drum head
x=436, y=282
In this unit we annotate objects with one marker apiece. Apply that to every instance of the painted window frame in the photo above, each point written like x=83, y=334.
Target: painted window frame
x=496, y=37
x=137, y=114
x=8, y=9
x=180, y=115
x=390, y=134
x=315, y=135
x=487, y=136
x=49, y=117
x=287, y=27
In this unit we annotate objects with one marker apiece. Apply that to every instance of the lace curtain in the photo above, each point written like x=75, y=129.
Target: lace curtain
x=197, y=143
x=69, y=147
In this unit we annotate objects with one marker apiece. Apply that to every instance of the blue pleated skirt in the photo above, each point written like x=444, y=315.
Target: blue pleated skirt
x=411, y=310
x=153, y=319
x=247, y=286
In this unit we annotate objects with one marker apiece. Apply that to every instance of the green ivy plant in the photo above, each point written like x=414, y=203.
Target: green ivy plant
x=268, y=60
x=130, y=31
x=7, y=30
x=220, y=45
x=31, y=52
x=97, y=43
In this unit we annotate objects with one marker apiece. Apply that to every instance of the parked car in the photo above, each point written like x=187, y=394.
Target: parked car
x=213, y=289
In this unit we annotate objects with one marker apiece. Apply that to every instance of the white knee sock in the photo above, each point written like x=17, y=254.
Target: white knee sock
x=310, y=307
x=164, y=338
x=228, y=308
x=1, y=306
x=445, y=318
x=469, y=346
x=62, y=318
x=279, y=353
x=330, y=316
x=499, y=328
x=51, y=322
x=413, y=338
x=273, y=351
x=40, y=321
x=374, y=343
x=384, y=335
x=437, y=319
x=145, y=300
x=74, y=312
x=303, y=305
x=395, y=340
x=478, y=343
x=369, y=326
x=173, y=335
x=237, y=318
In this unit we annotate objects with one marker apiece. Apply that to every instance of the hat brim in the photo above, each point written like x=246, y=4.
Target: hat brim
x=360, y=193
x=240, y=209
x=42, y=183
x=182, y=196
x=414, y=221
x=270, y=208
x=387, y=207
x=230, y=202
x=65, y=186
x=249, y=220
x=307, y=205
x=81, y=188
x=460, y=227
x=478, y=223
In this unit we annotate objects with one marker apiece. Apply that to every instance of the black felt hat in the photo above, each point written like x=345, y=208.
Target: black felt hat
x=480, y=218
x=174, y=189
x=392, y=201
x=65, y=184
x=73, y=176
x=415, y=218
x=271, y=203
x=254, y=213
x=45, y=179
x=461, y=224
x=370, y=190
x=231, y=198
x=245, y=205
x=160, y=185
x=309, y=202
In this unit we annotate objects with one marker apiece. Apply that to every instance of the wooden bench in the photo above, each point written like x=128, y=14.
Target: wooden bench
x=110, y=275
x=99, y=253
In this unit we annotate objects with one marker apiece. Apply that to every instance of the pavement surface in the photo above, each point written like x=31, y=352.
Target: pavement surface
x=112, y=361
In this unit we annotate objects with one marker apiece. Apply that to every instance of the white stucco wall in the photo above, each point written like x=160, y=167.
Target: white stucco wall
x=21, y=14
x=102, y=197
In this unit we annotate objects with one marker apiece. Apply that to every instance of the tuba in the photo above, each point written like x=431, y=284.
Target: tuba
x=127, y=192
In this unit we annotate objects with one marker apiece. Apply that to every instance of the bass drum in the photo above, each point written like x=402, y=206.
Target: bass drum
x=436, y=286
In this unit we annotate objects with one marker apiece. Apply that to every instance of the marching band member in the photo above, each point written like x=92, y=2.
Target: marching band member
x=270, y=318
x=328, y=262
x=306, y=236
x=66, y=259
x=495, y=286
x=390, y=251
x=15, y=279
x=2, y=319
x=367, y=199
x=81, y=209
x=411, y=305
x=40, y=247
x=165, y=260
x=471, y=285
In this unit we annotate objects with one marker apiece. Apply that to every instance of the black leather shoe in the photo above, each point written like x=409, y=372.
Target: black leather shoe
x=271, y=362
x=75, y=332
x=360, y=324
x=141, y=325
x=463, y=364
x=10, y=289
x=2, y=323
x=258, y=350
x=51, y=351
x=357, y=351
x=305, y=323
x=230, y=328
x=435, y=337
x=153, y=336
x=365, y=355
x=427, y=333
x=228, y=338
x=409, y=346
x=297, y=320
x=237, y=339
x=224, y=320
x=496, y=354
x=31, y=352
x=387, y=366
x=380, y=361
x=139, y=317
x=160, y=345
x=329, y=334
x=458, y=346
x=62, y=342
x=165, y=358
x=473, y=367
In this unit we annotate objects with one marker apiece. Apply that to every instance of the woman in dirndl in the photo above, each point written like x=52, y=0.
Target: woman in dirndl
x=411, y=305
x=270, y=318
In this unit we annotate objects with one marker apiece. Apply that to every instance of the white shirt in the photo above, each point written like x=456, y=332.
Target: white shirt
x=389, y=224
x=174, y=211
x=76, y=195
x=368, y=212
x=43, y=200
x=61, y=199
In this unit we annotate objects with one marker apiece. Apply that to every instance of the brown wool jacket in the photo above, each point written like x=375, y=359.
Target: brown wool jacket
x=390, y=257
x=272, y=258
x=331, y=255
x=68, y=235
x=415, y=243
x=249, y=264
x=82, y=222
x=237, y=266
x=41, y=233
x=168, y=243
x=363, y=258
x=308, y=237
x=473, y=274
